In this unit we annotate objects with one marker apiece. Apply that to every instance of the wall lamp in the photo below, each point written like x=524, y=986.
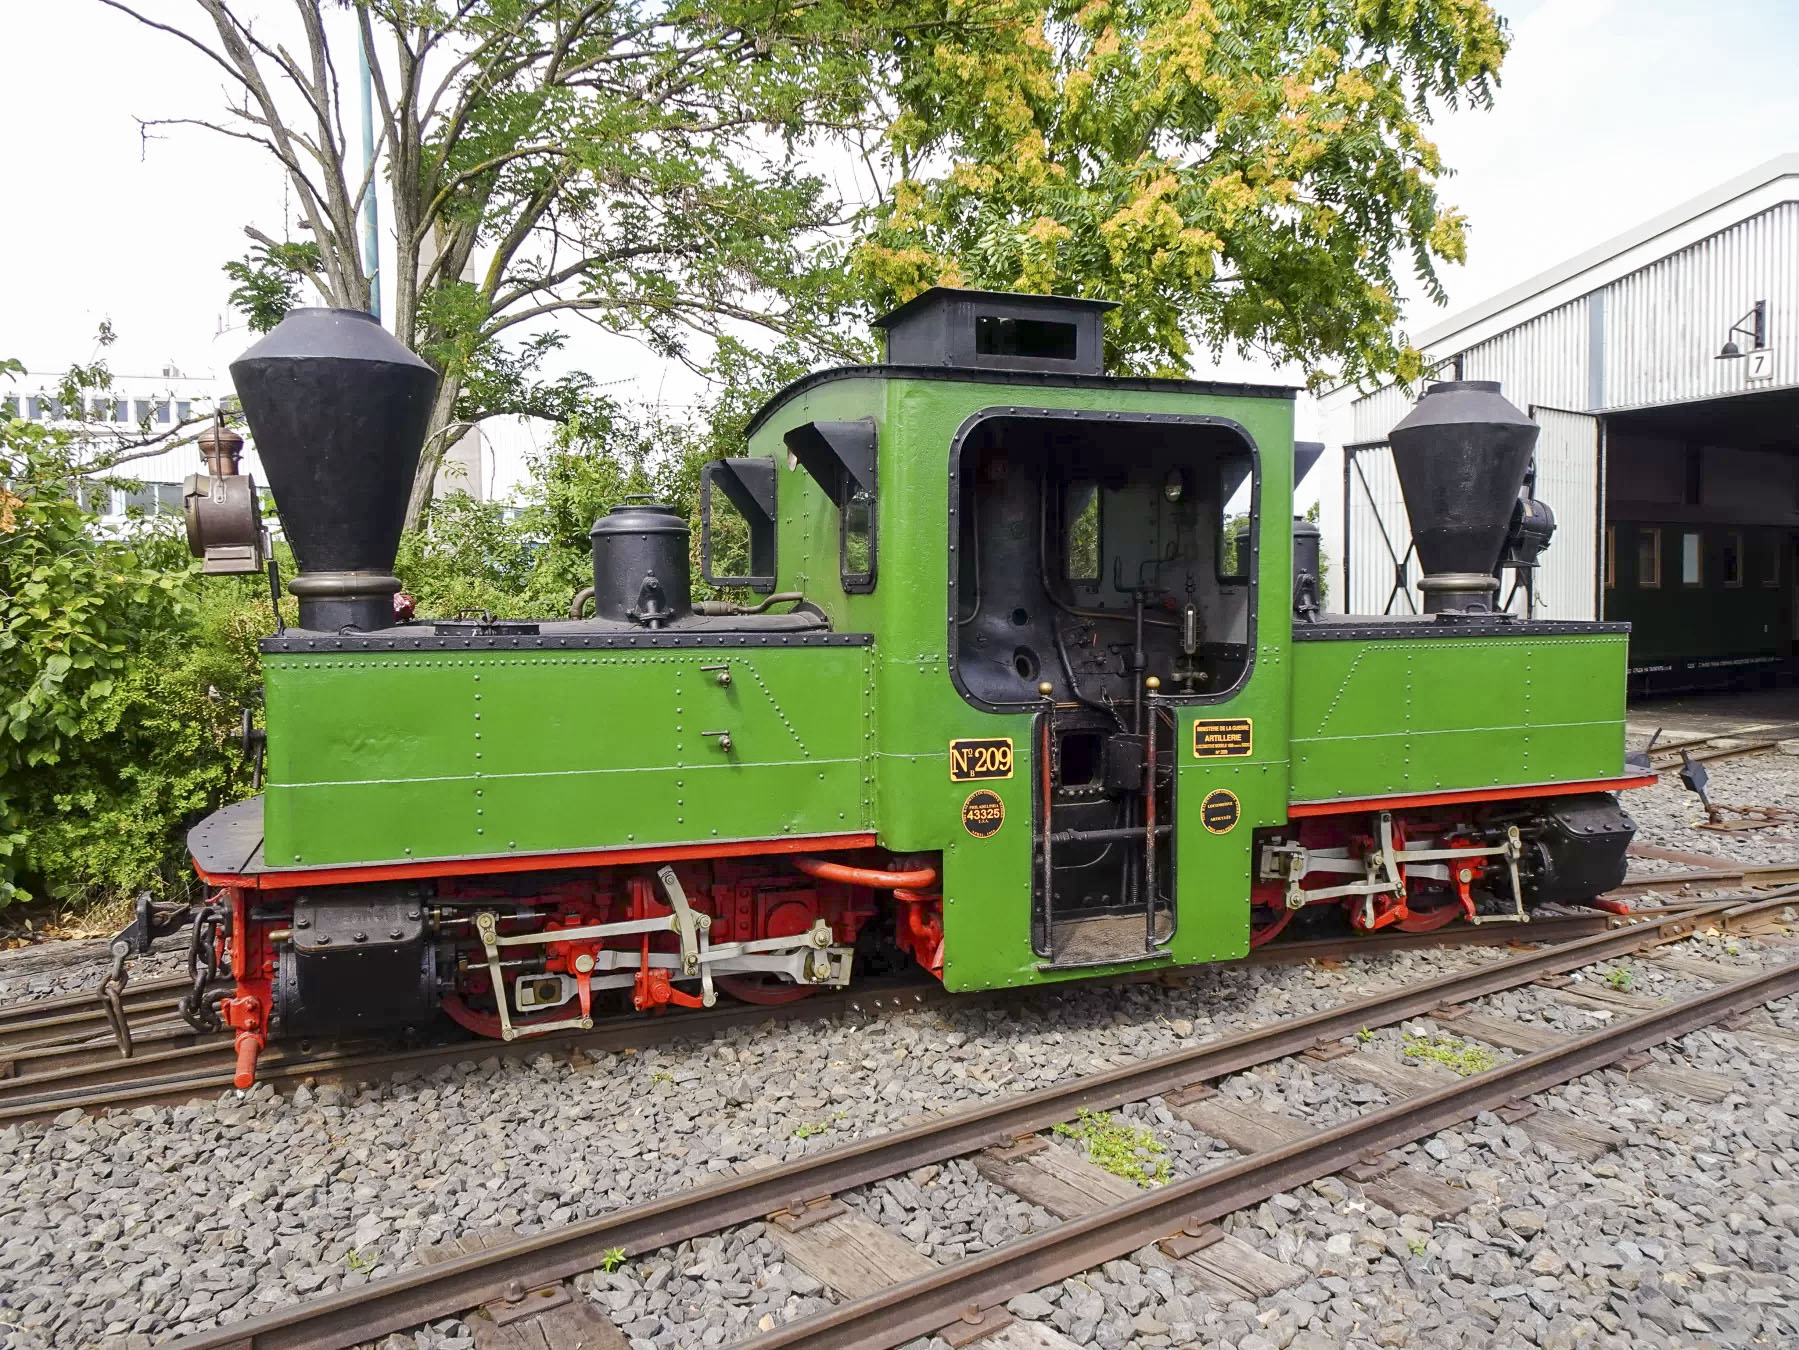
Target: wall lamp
x=1756, y=332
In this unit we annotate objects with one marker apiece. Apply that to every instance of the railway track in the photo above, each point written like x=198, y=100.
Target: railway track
x=69, y=1058
x=1711, y=878
x=907, y=1295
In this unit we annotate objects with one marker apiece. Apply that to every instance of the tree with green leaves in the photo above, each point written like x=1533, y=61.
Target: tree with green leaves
x=696, y=172
x=635, y=165
x=1240, y=172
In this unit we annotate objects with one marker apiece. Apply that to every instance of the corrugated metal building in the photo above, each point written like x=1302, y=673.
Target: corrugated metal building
x=1673, y=472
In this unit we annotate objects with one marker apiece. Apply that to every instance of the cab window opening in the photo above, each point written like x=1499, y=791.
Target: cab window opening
x=1068, y=528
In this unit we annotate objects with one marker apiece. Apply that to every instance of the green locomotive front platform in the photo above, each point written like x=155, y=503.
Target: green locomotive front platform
x=1035, y=690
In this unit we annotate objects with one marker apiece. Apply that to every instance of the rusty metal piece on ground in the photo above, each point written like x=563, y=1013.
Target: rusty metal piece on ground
x=1631, y=1062
x=1193, y=1237
x=1022, y=1146
x=1708, y=860
x=1186, y=1096
x=1325, y=1051
x=528, y=1303
x=1513, y=1112
x=419, y=1295
x=1747, y=818
x=1684, y=757
x=898, y=1314
x=1450, y=1012
x=803, y=1214
x=976, y=1323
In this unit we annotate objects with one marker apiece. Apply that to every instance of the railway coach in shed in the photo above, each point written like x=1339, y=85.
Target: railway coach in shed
x=1035, y=686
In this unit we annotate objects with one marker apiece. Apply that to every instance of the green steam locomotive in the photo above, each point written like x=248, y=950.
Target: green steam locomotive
x=1034, y=684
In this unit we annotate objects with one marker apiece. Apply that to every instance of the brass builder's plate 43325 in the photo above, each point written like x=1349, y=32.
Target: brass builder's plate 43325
x=1223, y=737
x=986, y=757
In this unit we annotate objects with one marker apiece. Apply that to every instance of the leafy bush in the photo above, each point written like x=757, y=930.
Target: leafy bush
x=108, y=739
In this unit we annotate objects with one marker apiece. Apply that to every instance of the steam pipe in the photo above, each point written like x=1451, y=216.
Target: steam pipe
x=917, y=879
x=725, y=608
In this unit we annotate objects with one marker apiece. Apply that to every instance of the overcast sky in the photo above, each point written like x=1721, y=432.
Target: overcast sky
x=1610, y=111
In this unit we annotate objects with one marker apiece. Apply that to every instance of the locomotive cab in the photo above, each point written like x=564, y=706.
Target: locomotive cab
x=1100, y=585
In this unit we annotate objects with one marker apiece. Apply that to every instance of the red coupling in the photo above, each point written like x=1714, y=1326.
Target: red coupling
x=249, y=1046
x=245, y=1014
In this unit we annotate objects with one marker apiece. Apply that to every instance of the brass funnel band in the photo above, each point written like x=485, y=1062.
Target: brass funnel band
x=1448, y=592
x=335, y=602
x=335, y=585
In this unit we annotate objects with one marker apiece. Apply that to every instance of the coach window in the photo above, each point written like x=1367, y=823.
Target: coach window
x=1649, y=558
x=1611, y=557
x=1771, y=557
x=1691, y=554
x=737, y=523
x=1733, y=558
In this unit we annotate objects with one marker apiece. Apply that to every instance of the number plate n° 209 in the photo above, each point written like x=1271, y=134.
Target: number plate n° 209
x=989, y=757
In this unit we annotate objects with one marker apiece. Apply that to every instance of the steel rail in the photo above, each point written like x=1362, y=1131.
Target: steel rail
x=70, y=1016
x=424, y=1294
x=926, y=1303
x=172, y=1062
x=110, y=1081
x=1767, y=874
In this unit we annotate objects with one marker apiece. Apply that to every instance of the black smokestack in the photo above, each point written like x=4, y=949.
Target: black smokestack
x=1461, y=456
x=338, y=408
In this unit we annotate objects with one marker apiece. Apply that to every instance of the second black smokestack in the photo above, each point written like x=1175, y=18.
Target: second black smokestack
x=339, y=410
x=1461, y=456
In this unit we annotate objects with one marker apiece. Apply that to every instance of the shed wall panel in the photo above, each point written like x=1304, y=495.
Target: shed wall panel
x=1668, y=321
x=1379, y=537
x=1543, y=361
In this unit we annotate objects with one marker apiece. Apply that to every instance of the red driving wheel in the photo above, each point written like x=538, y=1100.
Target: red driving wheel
x=788, y=919
x=1268, y=914
x=1432, y=909
x=1425, y=914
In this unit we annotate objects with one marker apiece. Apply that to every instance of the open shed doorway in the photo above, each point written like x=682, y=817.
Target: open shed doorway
x=1701, y=545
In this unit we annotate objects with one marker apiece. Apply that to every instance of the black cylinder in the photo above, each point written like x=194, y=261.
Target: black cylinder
x=1308, y=553
x=1308, y=550
x=1461, y=455
x=339, y=409
x=640, y=566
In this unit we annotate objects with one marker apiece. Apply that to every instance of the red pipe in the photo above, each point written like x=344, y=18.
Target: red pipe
x=917, y=880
